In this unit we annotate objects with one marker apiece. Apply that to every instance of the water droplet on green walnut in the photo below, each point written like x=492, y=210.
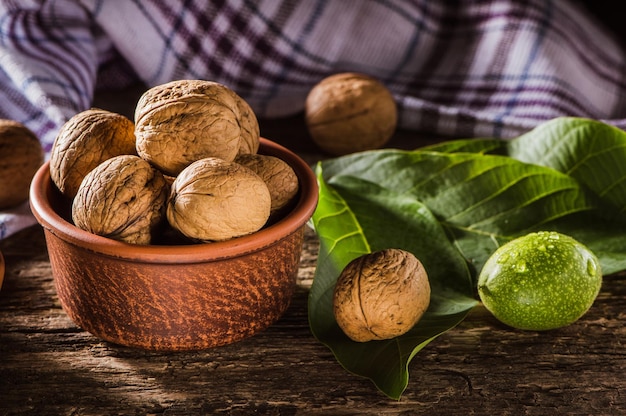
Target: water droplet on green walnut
x=550, y=282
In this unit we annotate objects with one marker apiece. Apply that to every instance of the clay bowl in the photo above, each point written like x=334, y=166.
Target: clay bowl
x=175, y=297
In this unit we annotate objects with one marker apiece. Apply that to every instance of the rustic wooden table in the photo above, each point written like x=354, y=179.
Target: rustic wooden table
x=49, y=366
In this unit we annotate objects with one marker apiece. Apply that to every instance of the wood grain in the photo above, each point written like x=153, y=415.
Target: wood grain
x=48, y=366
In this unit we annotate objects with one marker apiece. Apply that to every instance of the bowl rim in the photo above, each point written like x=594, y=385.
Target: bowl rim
x=54, y=223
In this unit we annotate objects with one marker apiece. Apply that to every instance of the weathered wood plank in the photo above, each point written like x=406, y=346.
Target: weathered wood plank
x=48, y=366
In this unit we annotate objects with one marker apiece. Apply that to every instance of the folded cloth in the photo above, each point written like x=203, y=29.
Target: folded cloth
x=488, y=68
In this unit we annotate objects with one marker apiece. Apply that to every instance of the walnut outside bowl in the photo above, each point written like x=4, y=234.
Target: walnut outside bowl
x=175, y=297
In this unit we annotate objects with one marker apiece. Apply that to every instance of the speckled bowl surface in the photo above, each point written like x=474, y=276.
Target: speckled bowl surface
x=175, y=297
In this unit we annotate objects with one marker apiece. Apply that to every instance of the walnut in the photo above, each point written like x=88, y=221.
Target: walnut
x=213, y=200
x=182, y=121
x=250, y=127
x=279, y=177
x=350, y=112
x=381, y=295
x=21, y=155
x=123, y=198
x=86, y=140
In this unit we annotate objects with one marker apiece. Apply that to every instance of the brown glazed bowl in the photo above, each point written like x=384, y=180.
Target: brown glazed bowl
x=175, y=297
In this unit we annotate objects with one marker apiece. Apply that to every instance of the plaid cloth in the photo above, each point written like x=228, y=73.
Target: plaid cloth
x=456, y=68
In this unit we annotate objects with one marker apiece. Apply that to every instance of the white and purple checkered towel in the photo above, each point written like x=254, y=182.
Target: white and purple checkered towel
x=460, y=68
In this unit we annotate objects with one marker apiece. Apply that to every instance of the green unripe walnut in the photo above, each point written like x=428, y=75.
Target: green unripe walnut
x=541, y=281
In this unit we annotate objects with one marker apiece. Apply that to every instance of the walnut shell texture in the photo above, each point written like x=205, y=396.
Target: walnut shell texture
x=350, y=112
x=86, y=140
x=381, y=295
x=21, y=155
x=214, y=200
x=123, y=198
x=249, y=127
x=182, y=121
x=279, y=177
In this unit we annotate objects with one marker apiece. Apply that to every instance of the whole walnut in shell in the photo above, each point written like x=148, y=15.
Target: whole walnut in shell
x=20, y=157
x=279, y=177
x=123, y=198
x=213, y=200
x=249, y=126
x=180, y=122
x=86, y=140
x=381, y=295
x=350, y=112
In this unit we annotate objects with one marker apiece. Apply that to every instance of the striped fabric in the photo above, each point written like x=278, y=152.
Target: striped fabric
x=456, y=68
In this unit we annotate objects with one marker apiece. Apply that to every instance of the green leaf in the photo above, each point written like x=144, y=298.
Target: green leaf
x=592, y=152
x=374, y=218
x=452, y=205
x=481, y=200
x=589, y=151
x=341, y=240
x=484, y=146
